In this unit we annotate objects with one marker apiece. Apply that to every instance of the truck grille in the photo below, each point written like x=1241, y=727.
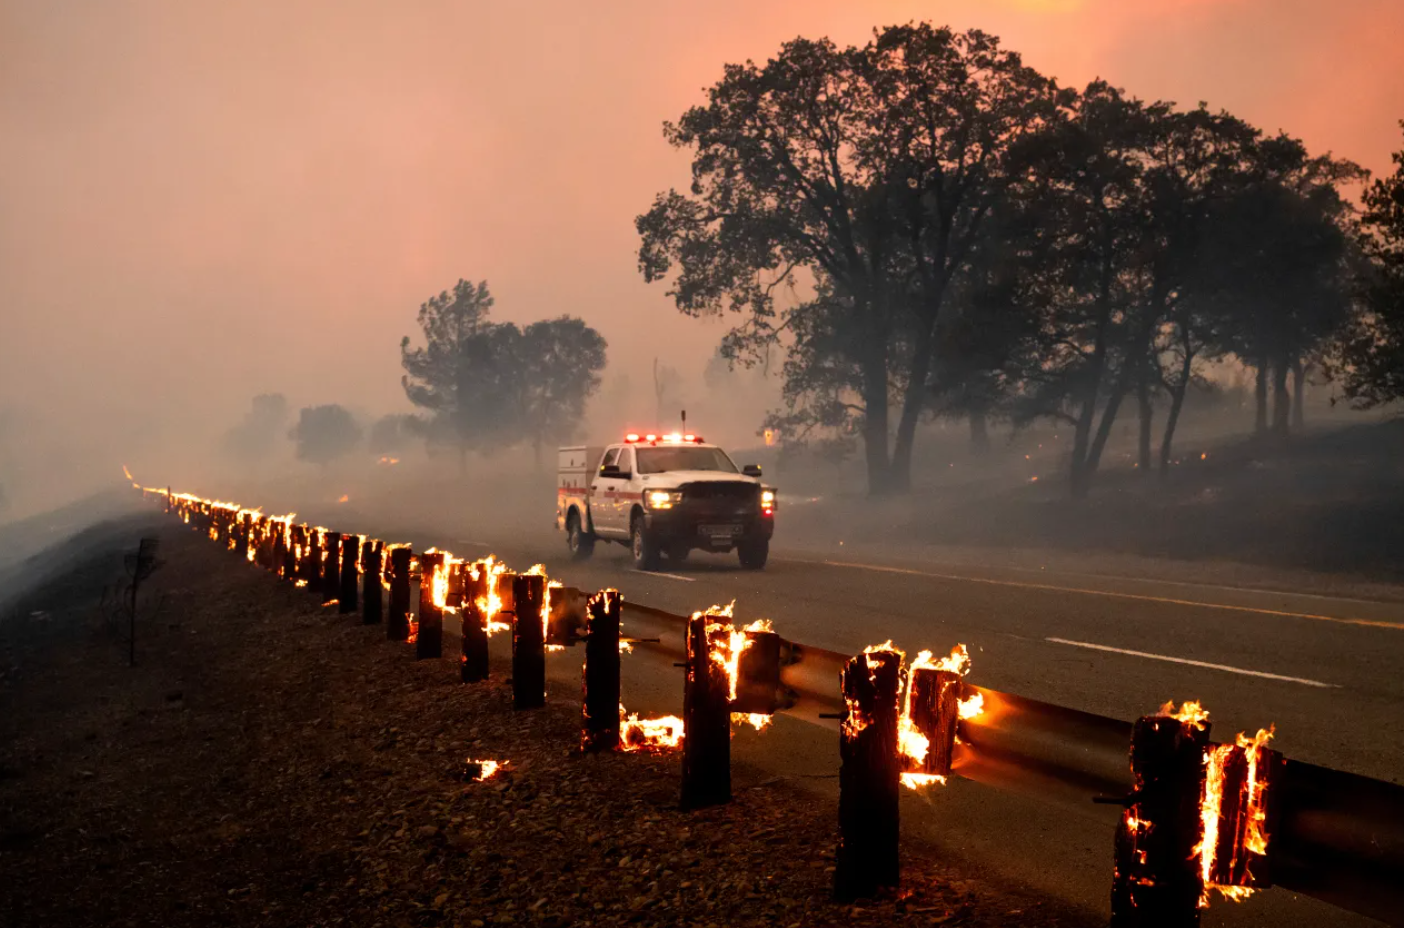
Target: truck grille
x=720, y=491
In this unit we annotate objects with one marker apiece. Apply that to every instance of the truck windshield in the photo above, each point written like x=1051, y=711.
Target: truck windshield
x=659, y=460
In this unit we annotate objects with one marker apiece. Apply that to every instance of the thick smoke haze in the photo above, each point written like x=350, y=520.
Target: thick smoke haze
x=201, y=201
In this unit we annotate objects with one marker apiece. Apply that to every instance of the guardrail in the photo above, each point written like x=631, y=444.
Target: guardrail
x=1332, y=835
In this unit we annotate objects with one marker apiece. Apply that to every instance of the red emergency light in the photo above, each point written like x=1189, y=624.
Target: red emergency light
x=672, y=438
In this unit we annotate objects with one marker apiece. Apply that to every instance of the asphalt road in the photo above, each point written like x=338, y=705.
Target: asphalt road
x=1323, y=670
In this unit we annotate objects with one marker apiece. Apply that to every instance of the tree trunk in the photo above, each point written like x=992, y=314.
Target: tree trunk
x=875, y=425
x=913, y=402
x=1177, y=402
x=1298, y=382
x=1281, y=400
x=1145, y=419
x=979, y=433
x=1260, y=395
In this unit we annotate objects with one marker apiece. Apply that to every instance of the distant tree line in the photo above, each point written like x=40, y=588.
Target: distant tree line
x=956, y=234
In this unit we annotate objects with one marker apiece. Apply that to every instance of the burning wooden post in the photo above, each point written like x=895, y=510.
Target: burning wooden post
x=292, y=558
x=933, y=707
x=758, y=674
x=371, y=605
x=706, y=764
x=869, y=776
x=313, y=566
x=477, y=581
x=243, y=529
x=1239, y=813
x=600, y=676
x=433, y=590
x=397, y=628
x=1157, y=882
x=350, y=555
x=331, y=567
x=528, y=642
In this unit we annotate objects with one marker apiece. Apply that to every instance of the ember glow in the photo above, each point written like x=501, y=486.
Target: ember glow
x=658, y=734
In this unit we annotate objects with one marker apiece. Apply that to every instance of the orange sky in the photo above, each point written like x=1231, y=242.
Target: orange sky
x=200, y=201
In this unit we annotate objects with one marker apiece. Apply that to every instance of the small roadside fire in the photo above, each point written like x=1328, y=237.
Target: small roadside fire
x=475, y=771
x=931, y=706
x=658, y=734
x=344, y=498
x=539, y=570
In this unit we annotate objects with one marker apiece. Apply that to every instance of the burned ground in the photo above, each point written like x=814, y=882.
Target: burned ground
x=268, y=762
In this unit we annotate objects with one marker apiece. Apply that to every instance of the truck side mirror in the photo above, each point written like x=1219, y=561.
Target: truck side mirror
x=751, y=470
x=611, y=470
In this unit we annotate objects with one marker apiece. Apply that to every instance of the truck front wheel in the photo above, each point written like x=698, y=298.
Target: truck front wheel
x=645, y=548
x=580, y=542
x=753, y=554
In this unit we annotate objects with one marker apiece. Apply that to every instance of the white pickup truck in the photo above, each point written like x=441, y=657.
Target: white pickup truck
x=663, y=496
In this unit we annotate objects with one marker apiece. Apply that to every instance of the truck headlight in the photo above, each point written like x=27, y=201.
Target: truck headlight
x=662, y=499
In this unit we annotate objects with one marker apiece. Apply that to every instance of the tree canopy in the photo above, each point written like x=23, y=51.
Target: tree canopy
x=485, y=383
x=928, y=226
x=324, y=433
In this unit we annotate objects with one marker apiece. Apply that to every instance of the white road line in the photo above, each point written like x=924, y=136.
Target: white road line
x=659, y=573
x=475, y=544
x=1183, y=660
x=1142, y=597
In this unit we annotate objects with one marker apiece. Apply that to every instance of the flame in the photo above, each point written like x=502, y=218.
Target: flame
x=385, y=459
x=637, y=734
x=625, y=646
x=1191, y=712
x=490, y=604
x=487, y=769
x=756, y=720
x=300, y=583
x=345, y=498
x=918, y=780
x=972, y=707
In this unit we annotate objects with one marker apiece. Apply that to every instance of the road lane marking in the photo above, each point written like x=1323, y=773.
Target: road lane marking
x=1142, y=597
x=1185, y=660
x=659, y=573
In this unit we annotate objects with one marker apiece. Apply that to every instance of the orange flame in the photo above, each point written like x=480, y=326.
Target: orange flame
x=487, y=769
x=1191, y=712
x=658, y=734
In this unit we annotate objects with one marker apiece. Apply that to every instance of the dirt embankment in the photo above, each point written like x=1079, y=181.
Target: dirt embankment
x=268, y=762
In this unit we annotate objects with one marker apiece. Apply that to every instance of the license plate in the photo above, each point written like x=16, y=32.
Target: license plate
x=720, y=531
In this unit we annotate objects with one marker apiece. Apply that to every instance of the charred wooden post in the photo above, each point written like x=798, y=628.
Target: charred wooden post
x=397, y=627
x=474, y=665
x=600, y=677
x=313, y=566
x=372, y=609
x=243, y=529
x=350, y=556
x=1157, y=881
x=758, y=674
x=433, y=588
x=706, y=763
x=869, y=777
x=934, y=697
x=291, y=563
x=331, y=567
x=528, y=642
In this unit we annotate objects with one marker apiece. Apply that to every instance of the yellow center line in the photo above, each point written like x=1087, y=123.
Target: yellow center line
x=1372, y=623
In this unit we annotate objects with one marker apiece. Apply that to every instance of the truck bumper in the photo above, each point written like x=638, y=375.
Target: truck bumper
x=707, y=531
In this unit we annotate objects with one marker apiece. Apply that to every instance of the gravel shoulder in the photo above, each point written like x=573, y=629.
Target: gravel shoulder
x=268, y=762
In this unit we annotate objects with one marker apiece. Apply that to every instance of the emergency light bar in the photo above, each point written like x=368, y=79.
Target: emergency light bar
x=670, y=438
